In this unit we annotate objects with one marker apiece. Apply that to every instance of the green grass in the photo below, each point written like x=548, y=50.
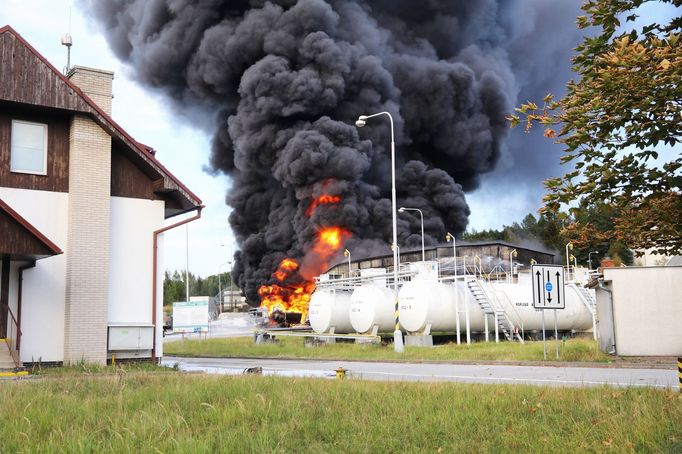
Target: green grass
x=197, y=413
x=293, y=347
x=84, y=368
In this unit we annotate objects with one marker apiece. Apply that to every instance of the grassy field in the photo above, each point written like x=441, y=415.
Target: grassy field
x=176, y=412
x=288, y=347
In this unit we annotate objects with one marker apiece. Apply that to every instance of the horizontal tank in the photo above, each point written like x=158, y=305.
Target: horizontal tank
x=330, y=308
x=576, y=316
x=372, y=304
x=424, y=302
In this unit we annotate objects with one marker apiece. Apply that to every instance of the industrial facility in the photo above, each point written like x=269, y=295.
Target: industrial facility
x=488, y=254
x=467, y=301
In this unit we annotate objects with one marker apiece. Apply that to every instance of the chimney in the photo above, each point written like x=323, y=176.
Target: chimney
x=95, y=83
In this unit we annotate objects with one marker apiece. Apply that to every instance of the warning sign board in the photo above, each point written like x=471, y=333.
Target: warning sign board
x=548, y=287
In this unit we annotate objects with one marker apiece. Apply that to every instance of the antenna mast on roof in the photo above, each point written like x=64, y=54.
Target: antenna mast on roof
x=68, y=42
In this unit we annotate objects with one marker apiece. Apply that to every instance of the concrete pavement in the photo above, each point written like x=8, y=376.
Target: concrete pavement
x=464, y=373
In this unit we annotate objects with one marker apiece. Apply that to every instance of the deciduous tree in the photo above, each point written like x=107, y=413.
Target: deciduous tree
x=615, y=120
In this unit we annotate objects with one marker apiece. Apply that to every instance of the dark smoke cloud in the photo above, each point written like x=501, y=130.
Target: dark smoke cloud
x=285, y=81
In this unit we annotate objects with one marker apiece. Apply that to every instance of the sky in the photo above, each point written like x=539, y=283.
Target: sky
x=184, y=150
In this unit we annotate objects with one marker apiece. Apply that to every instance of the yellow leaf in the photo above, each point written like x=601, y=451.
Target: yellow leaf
x=665, y=64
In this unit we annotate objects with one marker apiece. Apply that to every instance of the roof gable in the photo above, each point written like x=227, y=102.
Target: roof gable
x=20, y=240
x=42, y=84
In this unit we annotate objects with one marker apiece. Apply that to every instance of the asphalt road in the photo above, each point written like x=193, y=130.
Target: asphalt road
x=464, y=373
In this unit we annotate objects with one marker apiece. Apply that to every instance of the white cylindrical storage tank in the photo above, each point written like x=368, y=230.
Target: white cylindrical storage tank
x=428, y=302
x=371, y=305
x=576, y=316
x=330, y=308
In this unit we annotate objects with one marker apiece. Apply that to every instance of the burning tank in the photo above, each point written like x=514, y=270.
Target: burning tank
x=289, y=295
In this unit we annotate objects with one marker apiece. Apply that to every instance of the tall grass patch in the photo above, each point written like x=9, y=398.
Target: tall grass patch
x=197, y=413
x=575, y=350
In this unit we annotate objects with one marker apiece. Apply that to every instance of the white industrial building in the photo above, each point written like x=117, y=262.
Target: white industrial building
x=639, y=310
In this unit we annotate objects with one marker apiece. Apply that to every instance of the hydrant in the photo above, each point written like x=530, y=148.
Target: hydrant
x=340, y=373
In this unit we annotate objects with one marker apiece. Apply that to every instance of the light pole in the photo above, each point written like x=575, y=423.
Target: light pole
x=232, y=305
x=568, y=264
x=220, y=291
x=346, y=253
x=402, y=210
x=397, y=334
x=449, y=237
x=480, y=266
x=512, y=253
x=220, y=287
x=589, y=258
x=229, y=261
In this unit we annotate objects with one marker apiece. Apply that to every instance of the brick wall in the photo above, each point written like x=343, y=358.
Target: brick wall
x=87, y=269
x=96, y=83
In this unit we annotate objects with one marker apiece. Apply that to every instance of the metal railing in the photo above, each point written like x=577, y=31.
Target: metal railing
x=497, y=271
x=516, y=319
x=13, y=336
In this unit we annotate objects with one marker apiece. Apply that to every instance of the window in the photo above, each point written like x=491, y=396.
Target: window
x=29, y=147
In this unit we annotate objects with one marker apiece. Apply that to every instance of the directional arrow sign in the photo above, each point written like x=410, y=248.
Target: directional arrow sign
x=548, y=287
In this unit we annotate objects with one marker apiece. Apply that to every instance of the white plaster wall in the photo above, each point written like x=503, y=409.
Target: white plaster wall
x=647, y=309
x=42, y=312
x=133, y=222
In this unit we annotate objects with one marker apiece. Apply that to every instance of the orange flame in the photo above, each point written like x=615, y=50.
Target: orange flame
x=330, y=240
x=324, y=199
x=288, y=298
x=285, y=268
x=294, y=296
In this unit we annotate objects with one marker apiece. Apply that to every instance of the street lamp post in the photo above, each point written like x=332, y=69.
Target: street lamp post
x=220, y=287
x=589, y=258
x=449, y=237
x=397, y=334
x=346, y=253
x=421, y=215
x=512, y=253
x=232, y=304
x=220, y=291
x=568, y=264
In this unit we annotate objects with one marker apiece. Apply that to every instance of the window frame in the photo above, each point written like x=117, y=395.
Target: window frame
x=11, y=148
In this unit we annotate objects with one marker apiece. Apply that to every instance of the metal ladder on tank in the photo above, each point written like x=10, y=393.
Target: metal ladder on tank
x=590, y=303
x=485, y=302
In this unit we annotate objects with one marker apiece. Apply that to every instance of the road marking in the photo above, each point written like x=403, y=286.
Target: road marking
x=535, y=380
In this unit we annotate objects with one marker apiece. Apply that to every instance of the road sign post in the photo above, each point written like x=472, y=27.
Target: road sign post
x=548, y=293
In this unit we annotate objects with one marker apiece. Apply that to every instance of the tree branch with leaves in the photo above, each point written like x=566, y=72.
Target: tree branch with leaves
x=616, y=117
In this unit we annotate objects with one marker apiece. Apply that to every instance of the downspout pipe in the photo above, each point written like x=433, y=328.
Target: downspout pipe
x=155, y=265
x=19, y=293
x=613, y=315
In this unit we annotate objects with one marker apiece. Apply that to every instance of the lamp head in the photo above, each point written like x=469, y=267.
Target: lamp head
x=401, y=210
x=448, y=237
x=346, y=253
x=360, y=123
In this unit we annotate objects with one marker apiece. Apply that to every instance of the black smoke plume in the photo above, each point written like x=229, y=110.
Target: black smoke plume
x=285, y=81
